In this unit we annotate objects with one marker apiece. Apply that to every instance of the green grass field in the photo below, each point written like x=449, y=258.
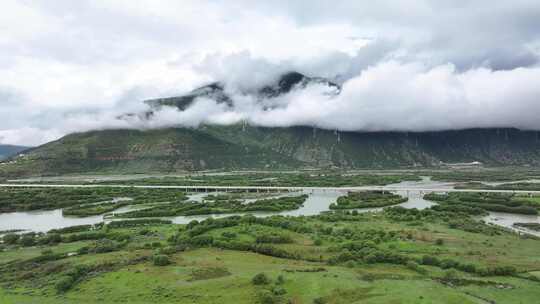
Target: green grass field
x=307, y=263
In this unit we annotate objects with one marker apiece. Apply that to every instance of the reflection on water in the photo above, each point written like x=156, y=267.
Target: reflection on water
x=42, y=221
x=508, y=220
x=317, y=202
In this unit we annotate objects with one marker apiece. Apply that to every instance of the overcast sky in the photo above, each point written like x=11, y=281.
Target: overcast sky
x=71, y=66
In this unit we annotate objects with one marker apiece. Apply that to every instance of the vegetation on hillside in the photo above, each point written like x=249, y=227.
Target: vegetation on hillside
x=245, y=147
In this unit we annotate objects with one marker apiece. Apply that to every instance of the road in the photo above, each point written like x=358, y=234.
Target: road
x=209, y=188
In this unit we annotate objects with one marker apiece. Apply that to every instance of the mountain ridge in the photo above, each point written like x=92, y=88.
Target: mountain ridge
x=237, y=147
x=242, y=146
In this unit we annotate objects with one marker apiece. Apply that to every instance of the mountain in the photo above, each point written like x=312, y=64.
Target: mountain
x=324, y=148
x=216, y=91
x=242, y=146
x=245, y=147
x=10, y=150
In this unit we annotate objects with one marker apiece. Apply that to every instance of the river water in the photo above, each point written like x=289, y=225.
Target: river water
x=317, y=202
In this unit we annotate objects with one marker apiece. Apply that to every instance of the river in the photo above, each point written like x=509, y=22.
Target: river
x=317, y=202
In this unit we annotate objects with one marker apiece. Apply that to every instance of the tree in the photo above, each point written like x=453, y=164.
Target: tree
x=64, y=284
x=11, y=238
x=161, y=260
x=260, y=279
x=266, y=297
x=28, y=240
x=450, y=275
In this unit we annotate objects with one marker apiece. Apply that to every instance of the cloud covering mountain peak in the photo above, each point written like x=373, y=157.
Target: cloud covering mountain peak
x=411, y=65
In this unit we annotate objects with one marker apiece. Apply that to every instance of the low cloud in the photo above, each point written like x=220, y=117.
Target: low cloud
x=73, y=66
x=392, y=96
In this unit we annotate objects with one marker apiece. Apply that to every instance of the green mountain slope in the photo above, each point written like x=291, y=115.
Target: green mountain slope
x=244, y=147
x=133, y=151
x=390, y=149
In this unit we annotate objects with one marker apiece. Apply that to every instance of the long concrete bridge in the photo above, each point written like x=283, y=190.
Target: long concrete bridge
x=210, y=188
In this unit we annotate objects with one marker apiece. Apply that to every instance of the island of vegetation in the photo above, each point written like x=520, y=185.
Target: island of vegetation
x=479, y=203
x=367, y=199
x=221, y=204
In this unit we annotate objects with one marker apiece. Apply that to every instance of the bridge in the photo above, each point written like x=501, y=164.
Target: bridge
x=210, y=188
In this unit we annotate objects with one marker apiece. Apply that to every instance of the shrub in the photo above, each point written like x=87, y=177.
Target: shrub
x=79, y=228
x=104, y=246
x=161, y=260
x=415, y=267
x=430, y=260
x=260, y=279
x=267, y=297
x=64, y=284
x=280, y=280
x=28, y=240
x=320, y=301
x=83, y=250
x=46, y=252
x=228, y=235
x=170, y=250
x=11, y=238
x=273, y=238
x=202, y=240
x=450, y=275
x=439, y=242
x=139, y=222
x=71, y=278
x=145, y=232
x=498, y=271
x=278, y=291
x=447, y=264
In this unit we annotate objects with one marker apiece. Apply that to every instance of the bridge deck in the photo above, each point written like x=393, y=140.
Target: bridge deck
x=268, y=188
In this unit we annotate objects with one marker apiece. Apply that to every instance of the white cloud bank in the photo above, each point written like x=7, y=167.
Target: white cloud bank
x=71, y=66
x=394, y=96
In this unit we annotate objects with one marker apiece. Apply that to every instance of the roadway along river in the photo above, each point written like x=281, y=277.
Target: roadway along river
x=396, y=187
